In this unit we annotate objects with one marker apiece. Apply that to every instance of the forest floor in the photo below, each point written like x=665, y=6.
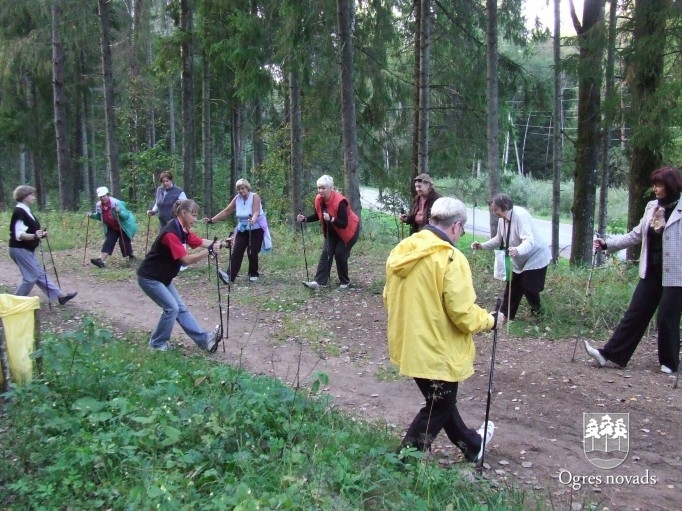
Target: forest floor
x=539, y=395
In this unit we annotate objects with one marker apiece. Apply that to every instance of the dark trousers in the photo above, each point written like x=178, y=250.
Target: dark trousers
x=649, y=295
x=249, y=243
x=528, y=283
x=123, y=240
x=335, y=248
x=440, y=412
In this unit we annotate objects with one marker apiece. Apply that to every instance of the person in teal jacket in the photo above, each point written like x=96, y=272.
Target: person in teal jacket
x=120, y=226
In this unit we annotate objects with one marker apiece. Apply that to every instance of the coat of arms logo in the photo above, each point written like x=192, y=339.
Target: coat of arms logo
x=606, y=438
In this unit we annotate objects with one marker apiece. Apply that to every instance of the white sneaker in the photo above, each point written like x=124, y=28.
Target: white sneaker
x=665, y=369
x=311, y=285
x=594, y=353
x=213, y=339
x=488, y=437
x=183, y=268
x=344, y=286
x=253, y=279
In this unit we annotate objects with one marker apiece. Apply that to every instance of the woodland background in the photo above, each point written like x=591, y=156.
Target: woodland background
x=373, y=92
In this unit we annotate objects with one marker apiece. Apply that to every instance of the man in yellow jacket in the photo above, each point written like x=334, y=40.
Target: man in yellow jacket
x=432, y=314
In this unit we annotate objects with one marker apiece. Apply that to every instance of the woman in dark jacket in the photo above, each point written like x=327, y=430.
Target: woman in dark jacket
x=162, y=264
x=421, y=205
x=25, y=234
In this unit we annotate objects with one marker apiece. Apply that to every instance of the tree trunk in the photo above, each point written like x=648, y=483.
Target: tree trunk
x=109, y=109
x=351, y=175
x=66, y=201
x=416, y=91
x=207, y=153
x=235, y=164
x=591, y=43
x=556, y=135
x=296, y=141
x=189, y=157
x=492, y=129
x=258, y=144
x=645, y=73
x=424, y=86
x=610, y=102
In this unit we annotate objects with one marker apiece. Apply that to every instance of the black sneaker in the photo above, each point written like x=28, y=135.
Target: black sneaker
x=98, y=262
x=224, y=277
x=66, y=298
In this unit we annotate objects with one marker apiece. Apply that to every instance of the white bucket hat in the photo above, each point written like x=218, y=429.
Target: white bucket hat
x=102, y=191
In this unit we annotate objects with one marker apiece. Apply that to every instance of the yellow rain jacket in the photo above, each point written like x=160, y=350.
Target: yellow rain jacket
x=432, y=314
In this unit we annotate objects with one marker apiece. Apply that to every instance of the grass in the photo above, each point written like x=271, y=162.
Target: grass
x=112, y=426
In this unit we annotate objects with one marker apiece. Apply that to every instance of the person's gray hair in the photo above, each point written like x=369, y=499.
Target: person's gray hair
x=242, y=182
x=326, y=181
x=502, y=201
x=22, y=191
x=447, y=210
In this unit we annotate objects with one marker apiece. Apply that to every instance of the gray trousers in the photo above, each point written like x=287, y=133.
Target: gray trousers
x=33, y=274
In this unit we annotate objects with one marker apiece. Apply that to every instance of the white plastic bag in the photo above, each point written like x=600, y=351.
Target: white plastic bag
x=502, y=267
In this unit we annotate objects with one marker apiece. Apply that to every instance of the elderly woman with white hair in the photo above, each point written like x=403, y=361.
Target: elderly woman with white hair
x=25, y=234
x=249, y=233
x=340, y=228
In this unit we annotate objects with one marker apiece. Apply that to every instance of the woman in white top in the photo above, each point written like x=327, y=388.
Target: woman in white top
x=248, y=236
x=530, y=255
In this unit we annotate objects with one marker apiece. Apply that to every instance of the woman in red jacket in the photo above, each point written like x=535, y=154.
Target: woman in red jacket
x=340, y=228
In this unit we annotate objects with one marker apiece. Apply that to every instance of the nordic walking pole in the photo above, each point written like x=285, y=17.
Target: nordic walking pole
x=248, y=247
x=209, y=256
x=212, y=253
x=588, y=293
x=146, y=243
x=54, y=267
x=402, y=225
x=87, y=232
x=229, y=292
x=490, y=388
x=305, y=257
x=47, y=289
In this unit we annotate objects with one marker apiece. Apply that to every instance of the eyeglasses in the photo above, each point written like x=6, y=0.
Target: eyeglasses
x=420, y=181
x=461, y=227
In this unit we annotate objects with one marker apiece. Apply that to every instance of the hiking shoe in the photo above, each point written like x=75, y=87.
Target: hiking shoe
x=664, y=368
x=344, y=286
x=66, y=298
x=488, y=438
x=98, y=262
x=224, y=277
x=253, y=278
x=214, y=339
x=163, y=347
x=311, y=285
x=595, y=354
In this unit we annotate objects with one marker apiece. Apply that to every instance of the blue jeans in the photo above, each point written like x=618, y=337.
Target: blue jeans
x=174, y=309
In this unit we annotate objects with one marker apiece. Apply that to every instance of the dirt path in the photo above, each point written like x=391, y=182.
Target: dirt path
x=538, y=401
